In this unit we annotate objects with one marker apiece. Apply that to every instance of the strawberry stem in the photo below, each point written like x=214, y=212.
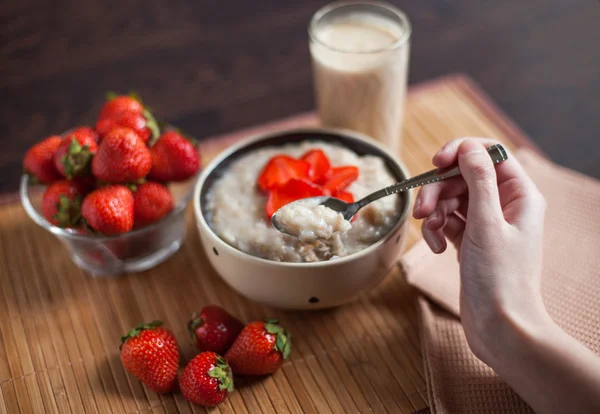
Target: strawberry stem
x=283, y=341
x=110, y=95
x=222, y=372
x=138, y=329
x=68, y=211
x=77, y=158
x=152, y=125
x=193, y=324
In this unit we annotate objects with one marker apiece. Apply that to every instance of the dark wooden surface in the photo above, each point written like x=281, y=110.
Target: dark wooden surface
x=214, y=66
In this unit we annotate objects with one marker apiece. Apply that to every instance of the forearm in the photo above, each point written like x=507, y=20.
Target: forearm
x=549, y=369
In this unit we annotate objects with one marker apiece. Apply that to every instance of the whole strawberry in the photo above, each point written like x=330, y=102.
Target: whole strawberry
x=122, y=157
x=39, y=160
x=151, y=202
x=127, y=111
x=260, y=348
x=128, y=119
x=214, y=329
x=74, y=154
x=61, y=203
x=174, y=158
x=109, y=210
x=206, y=380
x=150, y=353
x=115, y=104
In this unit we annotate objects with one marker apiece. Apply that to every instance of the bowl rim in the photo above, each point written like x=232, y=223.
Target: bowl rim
x=221, y=157
x=59, y=231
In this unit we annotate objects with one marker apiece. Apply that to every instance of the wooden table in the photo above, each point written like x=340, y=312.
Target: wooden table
x=217, y=66
x=60, y=328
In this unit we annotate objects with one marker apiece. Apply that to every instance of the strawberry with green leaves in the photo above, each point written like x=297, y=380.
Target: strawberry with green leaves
x=214, y=329
x=116, y=104
x=260, y=348
x=39, y=160
x=74, y=154
x=61, y=203
x=145, y=126
x=150, y=353
x=206, y=380
x=174, y=158
x=127, y=111
x=109, y=210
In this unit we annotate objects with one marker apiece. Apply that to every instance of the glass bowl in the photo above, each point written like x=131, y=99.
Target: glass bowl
x=138, y=250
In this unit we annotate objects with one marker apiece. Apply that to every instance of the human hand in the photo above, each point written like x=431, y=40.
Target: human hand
x=494, y=216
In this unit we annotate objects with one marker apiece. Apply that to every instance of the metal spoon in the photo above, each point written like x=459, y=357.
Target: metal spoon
x=497, y=153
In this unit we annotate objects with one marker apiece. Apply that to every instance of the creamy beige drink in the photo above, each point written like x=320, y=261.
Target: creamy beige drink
x=360, y=62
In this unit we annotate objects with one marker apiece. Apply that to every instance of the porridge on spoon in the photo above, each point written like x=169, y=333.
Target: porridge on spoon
x=309, y=220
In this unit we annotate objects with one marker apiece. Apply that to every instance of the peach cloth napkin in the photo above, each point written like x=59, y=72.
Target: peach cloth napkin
x=456, y=380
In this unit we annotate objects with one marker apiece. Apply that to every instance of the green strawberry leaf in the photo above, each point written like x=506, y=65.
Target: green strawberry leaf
x=77, y=159
x=222, y=372
x=138, y=329
x=272, y=327
x=68, y=211
x=193, y=324
x=136, y=96
x=287, y=350
x=283, y=341
x=110, y=95
x=152, y=125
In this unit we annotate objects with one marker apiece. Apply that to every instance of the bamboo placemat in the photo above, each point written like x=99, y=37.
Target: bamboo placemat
x=60, y=328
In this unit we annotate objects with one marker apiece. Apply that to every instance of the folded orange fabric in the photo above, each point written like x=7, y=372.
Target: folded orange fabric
x=457, y=380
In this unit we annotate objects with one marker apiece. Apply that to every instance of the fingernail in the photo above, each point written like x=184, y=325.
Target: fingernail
x=417, y=205
x=440, y=151
x=431, y=220
x=433, y=242
x=471, y=147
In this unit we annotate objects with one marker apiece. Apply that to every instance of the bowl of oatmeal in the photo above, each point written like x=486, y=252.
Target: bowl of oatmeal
x=332, y=261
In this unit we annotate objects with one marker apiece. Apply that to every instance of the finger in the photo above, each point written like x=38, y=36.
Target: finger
x=444, y=209
x=435, y=239
x=448, y=154
x=477, y=168
x=454, y=230
x=429, y=195
x=505, y=171
x=522, y=203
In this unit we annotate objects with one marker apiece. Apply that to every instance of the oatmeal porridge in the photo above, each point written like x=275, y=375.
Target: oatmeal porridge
x=236, y=207
x=310, y=221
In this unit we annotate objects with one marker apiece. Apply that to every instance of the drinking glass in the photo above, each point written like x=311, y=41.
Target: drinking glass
x=360, y=54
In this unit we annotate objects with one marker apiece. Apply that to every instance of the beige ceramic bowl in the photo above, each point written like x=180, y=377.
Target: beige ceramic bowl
x=301, y=285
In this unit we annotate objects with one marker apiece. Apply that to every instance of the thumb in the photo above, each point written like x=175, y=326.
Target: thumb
x=477, y=169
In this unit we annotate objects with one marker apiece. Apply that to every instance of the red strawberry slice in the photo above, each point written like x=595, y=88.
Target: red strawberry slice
x=339, y=178
x=319, y=165
x=344, y=196
x=292, y=190
x=280, y=169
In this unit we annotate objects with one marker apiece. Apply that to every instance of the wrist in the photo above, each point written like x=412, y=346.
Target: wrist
x=517, y=333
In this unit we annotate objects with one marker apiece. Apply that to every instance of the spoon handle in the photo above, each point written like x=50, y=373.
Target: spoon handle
x=497, y=153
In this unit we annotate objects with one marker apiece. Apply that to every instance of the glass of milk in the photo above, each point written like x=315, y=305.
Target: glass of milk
x=360, y=55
